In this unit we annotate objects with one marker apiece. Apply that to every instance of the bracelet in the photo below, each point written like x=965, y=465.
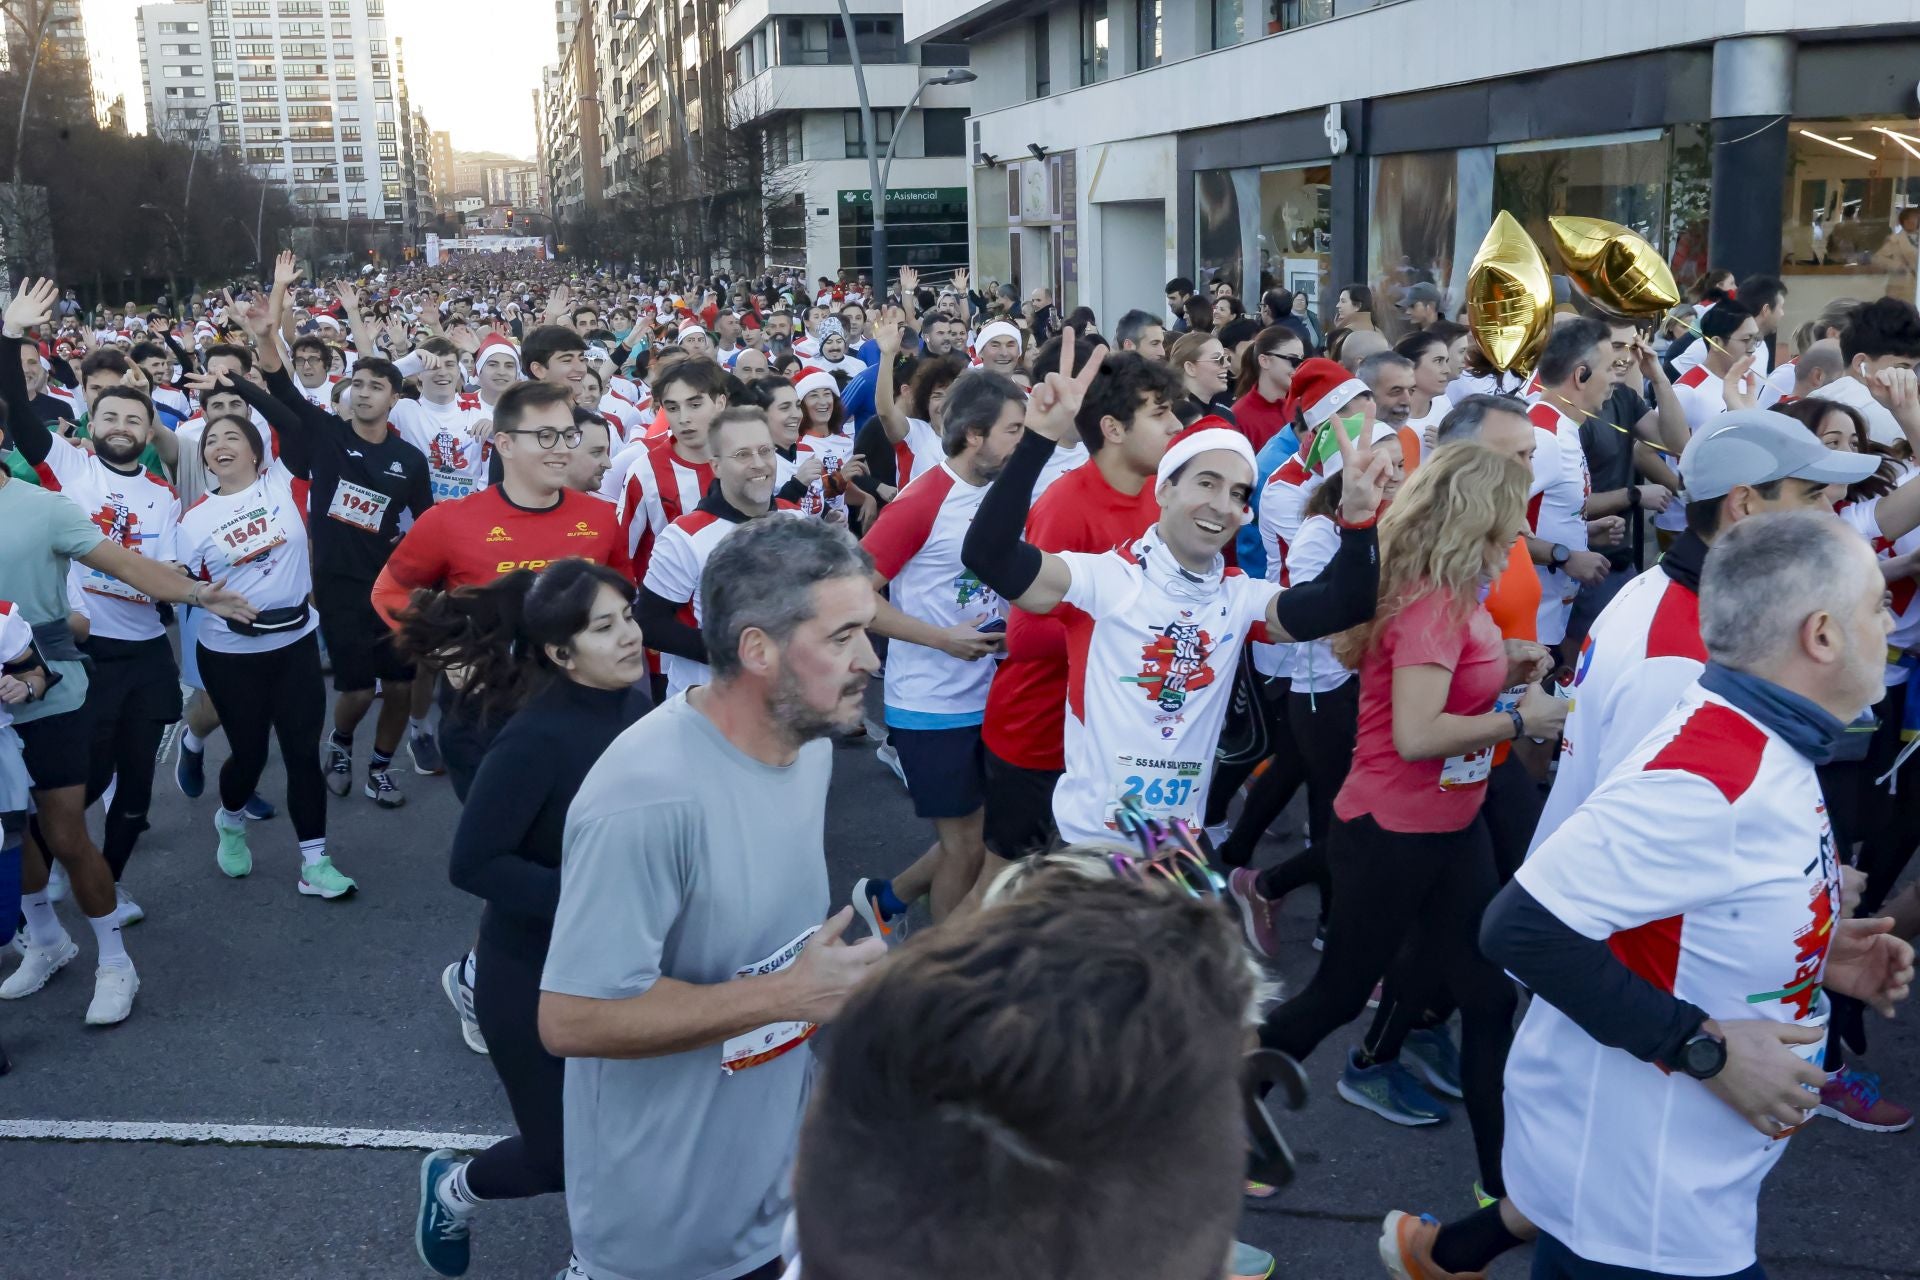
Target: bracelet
x=1368, y=523
x=1519, y=725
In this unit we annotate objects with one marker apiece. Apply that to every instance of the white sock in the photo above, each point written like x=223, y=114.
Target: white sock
x=468, y=967
x=417, y=725
x=192, y=741
x=225, y=819
x=43, y=926
x=453, y=1193
x=311, y=851
x=106, y=934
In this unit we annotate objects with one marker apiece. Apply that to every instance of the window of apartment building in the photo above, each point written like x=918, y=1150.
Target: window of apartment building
x=348, y=92
x=256, y=50
x=356, y=173
x=250, y=9
x=300, y=8
x=222, y=28
x=253, y=30
x=179, y=28
x=882, y=126
x=222, y=50
x=180, y=50
x=1229, y=26
x=1042, y=55
x=1094, y=41
x=384, y=130
x=179, y=73
x=1147, y=25
x=936, y=54
x=185, y=91
x=343, y=31
x=303, y=49
x=382, y=91
x=1288, y=14
x=945, y=130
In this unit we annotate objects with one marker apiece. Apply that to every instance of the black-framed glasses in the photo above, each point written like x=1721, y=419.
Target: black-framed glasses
x=547, y=437
x=1292, y=361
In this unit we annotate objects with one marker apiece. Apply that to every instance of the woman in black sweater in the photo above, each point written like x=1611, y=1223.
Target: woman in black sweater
x=559, y=650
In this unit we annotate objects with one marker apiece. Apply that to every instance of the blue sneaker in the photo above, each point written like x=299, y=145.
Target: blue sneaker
x=258, y=808
x=1431, y=1055
x=1389, y=1091
x=190, y=771
x=440, y=1237
x=1249, y=1262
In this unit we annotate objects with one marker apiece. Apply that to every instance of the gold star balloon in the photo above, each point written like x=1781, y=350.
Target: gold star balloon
x=1509, y=296
x=1616, y=267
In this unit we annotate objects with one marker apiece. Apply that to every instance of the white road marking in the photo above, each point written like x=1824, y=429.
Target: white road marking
x=241, y=1135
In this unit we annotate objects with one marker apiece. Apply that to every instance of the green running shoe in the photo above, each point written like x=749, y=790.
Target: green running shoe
x=324, y=880
x=234, y=857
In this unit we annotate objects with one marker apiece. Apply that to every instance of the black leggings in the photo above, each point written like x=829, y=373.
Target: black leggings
x=1271, y=791
x=1323, y=727
x=133, y=694
x=1428, y=891
x=278, y=693
x=506, y=1001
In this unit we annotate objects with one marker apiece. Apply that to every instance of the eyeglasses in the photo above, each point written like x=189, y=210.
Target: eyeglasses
x=743, y=456
x=1218, y=357
x=547, y=437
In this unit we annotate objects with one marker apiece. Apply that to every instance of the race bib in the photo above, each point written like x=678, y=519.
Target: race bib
x=360, y=507
x=248, y=535
x=97, y=583
x=764, y=1044
x=1164, y=788
x=1466, y=771
x=448, y=486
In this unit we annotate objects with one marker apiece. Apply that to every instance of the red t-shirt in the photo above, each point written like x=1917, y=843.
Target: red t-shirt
x=1409, y=795
x=476, y=539
x=1259, y=418
x=1026, y=718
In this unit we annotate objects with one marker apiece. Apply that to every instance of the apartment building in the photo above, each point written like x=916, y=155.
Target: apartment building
x=308, y=92
x=1115, y=144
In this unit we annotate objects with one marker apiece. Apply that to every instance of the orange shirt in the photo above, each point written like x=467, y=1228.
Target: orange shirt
x=1409, y=448
x=1514, y=602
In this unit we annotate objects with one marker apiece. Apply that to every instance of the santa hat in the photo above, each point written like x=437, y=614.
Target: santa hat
x=809, y=379
x=1206, y=434
x=1321, y=388
x=493, y=344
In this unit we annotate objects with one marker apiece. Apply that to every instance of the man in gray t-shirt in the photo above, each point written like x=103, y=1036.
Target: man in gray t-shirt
x=689, y=965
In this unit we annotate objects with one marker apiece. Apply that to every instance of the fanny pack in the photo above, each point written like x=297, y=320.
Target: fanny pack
x=55, y=642
x=272, y=622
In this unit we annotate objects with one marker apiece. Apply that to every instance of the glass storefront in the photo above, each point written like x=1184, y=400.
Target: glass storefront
x=1841, y=232
x=1264, y=228
x=926, y=228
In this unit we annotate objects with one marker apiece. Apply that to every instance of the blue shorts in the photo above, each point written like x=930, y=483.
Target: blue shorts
x=946, y=769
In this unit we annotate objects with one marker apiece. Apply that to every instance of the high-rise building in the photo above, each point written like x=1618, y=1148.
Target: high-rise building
x=61, y=32
x=306, y=91
x=442, y=164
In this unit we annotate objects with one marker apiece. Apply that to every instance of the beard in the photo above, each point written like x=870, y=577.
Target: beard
x=118, y=453
x=788, y=707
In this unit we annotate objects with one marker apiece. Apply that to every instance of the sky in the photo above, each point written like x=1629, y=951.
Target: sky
x=471, y=67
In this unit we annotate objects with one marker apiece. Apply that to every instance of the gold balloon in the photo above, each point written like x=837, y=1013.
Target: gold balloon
x=1616, y=267
x=1509, y=296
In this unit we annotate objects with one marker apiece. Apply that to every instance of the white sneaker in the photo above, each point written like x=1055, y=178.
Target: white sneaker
x=1218, y=834
x=37, y=964
x=113, y=988
x=890, y=757
x=125, y=909
x=460, y=995
x=58, y=886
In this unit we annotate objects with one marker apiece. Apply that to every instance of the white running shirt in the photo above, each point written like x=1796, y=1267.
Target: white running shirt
x=256, y=541
x=137, y=512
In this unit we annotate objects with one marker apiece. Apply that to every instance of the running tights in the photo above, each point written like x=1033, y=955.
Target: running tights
x=1322, y=725
x=506, y=1001
x=1428, y=892
x=278, y=694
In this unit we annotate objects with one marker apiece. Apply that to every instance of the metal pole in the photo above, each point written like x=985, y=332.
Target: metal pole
x=886, y=166
x=193, y=158
x=871, y=147
x=26, y=93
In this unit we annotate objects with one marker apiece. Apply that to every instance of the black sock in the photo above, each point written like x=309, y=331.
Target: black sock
x=1472, y=1243
x=379, y=760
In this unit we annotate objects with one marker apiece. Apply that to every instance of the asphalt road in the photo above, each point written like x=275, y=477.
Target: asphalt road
x=262, y=1007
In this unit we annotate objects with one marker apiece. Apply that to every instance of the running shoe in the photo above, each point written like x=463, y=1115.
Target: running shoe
x=233, y=855
x=1260, y=1190
x=1217, y=834
x=324, y=880
x=58, y=885
x=1406, y=1246
x=425, y=750
x=1249, y=1262
x=440, y=1236
x=37, y=964
x=381, y=791
x=258, y=808
x=1853, y=1098
x=1259, y=915
x=1431, y=1054
x=1481, y=1200
x=128, y=911
x=889, y=755
x=1389, y=1091
x=460, y=995
x=866, y=904
x=336, y=762
x=190, y=770
x=113, y=990
x=1373, y=996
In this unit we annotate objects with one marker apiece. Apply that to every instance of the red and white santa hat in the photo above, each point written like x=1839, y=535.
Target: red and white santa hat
x=1321, y=388
x=1205, y=435
x=493, y=344
x=810, y=378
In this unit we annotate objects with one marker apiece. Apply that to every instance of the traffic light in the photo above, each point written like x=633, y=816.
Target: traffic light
x=509, y=217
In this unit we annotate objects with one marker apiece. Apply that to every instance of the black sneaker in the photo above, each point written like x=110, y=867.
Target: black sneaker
x=336, y=762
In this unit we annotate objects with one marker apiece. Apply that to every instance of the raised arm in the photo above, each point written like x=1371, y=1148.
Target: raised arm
x=365, y=340
x=30, y=308
x=886, y=332
x=1347, y=590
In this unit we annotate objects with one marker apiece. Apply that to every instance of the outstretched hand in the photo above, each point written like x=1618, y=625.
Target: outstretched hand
x=1056, y=399
x=31, y=307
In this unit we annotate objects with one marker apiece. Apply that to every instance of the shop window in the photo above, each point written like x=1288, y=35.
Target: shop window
x=1263, y=229
x=1850, y=182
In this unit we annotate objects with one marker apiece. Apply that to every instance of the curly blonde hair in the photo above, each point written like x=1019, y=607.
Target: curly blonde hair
x=1452, y=524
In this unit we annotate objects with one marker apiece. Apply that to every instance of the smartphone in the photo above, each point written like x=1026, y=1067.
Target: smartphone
x=992, y=627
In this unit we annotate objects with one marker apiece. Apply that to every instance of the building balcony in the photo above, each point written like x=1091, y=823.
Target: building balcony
x=823, y=88
x=746, y=16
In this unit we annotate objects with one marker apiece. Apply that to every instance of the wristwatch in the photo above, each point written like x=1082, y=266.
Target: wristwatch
x=1702, y=1057
x=1560, y=554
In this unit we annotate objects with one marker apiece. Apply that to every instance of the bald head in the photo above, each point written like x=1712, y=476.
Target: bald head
x=1360, y=345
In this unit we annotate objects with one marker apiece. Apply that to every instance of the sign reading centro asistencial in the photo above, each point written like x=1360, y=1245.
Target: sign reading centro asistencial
x=913, y=195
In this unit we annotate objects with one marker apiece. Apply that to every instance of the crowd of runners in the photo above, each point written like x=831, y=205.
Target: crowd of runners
x=1593, y=683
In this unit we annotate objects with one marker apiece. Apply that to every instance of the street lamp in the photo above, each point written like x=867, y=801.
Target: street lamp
x=876, y=174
